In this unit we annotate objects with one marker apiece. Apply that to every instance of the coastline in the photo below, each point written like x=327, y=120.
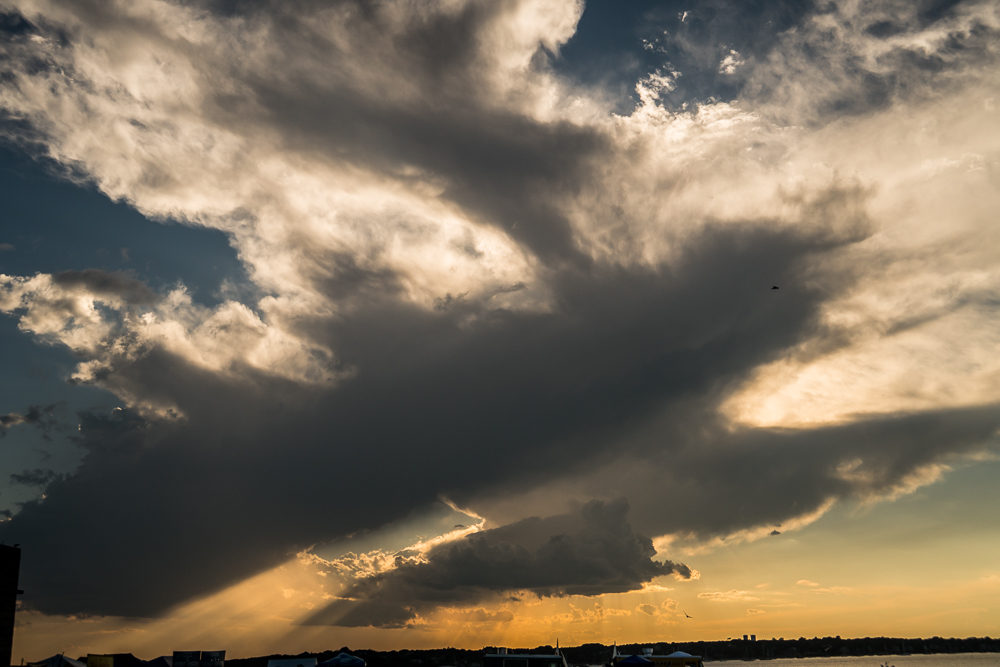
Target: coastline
x=717, y=652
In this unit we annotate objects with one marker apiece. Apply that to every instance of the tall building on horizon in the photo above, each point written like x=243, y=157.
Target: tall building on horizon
x=10, y=566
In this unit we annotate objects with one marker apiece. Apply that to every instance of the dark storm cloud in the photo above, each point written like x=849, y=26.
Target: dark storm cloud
x=729, y=481
x=13, y=24
x=107, y=283
x=35, y=477
x=589, y=552
x=259, y=469
x=41, y=416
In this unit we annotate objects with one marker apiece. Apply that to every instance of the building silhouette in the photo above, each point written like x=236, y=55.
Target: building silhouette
x=10, y=565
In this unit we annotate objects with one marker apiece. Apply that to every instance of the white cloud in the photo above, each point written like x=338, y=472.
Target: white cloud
x=141, y=108
x=731, y=62
x=109, y=332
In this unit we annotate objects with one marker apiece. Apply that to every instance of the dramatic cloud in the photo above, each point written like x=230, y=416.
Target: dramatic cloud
x=471, y=279
x=102, y=283
x=40, y=416
x=465, y=421
x=36, y=477
x=590, y=552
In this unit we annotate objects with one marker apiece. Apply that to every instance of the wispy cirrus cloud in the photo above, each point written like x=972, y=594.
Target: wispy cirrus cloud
x=36, y=415
x=732, y=595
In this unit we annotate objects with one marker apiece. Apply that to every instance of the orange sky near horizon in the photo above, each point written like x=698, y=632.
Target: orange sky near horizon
x=855, y=572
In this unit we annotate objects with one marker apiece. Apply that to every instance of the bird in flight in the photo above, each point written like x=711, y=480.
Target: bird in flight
x=775, y=287
x=686, y=614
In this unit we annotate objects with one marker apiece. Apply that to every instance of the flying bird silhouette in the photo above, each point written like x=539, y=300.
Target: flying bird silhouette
x=686, y=614
x=775, y=287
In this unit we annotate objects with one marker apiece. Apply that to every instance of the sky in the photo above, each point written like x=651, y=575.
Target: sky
x=410, y=324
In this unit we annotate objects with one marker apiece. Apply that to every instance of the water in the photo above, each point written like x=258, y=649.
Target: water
x=936, y=660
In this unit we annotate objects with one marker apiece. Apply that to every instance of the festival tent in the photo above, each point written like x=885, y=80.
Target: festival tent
x=343, y=660
x=57, y=660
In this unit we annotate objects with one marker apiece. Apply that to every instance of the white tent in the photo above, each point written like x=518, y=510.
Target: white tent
x=343, y=660
x=58, y=660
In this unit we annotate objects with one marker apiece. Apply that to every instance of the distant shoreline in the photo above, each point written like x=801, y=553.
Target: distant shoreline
x=714, y=651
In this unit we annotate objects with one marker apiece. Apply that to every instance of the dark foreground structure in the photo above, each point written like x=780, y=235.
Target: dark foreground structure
x=10, y=566
x=501, y=657
x=588, y=654
x=600, y=654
